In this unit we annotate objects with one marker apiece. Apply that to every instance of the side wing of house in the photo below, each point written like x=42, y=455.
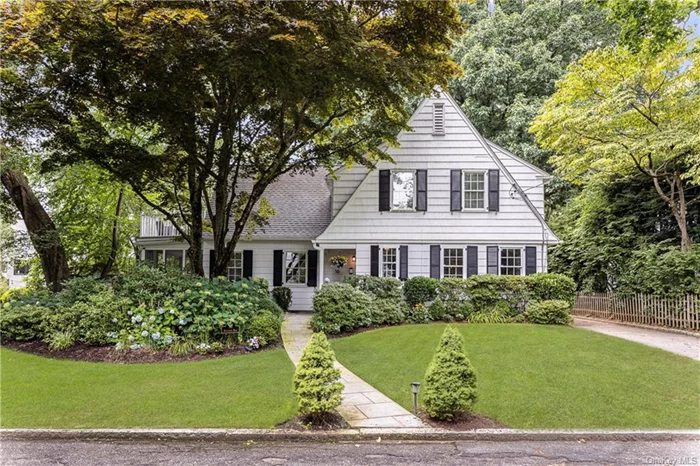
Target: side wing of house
x=452, y=204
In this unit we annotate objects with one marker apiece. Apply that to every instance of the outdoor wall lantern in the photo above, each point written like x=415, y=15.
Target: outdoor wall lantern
x=415, y=388
x=351, y=271
x=353, y=257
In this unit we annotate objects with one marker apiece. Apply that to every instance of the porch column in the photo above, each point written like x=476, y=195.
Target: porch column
x=321, y=261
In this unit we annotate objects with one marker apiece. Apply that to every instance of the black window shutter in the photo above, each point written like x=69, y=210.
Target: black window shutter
x=403, y=262
x=494, y=197
x=212, y=259
x=312, y=267
x=248, y=263
x=472, y=260
x=421, y=190
x=530, y=260
x=277, y=266
x=374, y=261
x=384, y=190
x=455, y=190
x=434, y=261
x=492, y=260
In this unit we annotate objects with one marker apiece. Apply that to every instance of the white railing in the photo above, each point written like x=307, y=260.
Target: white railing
x=152, y=226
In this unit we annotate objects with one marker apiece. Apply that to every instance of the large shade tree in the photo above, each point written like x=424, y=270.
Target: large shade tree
x=618, y=111
x=226, y=91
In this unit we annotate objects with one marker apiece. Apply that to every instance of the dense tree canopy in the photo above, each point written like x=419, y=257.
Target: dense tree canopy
x=221, y=91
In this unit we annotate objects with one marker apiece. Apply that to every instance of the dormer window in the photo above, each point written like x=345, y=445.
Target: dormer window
x=439, y=119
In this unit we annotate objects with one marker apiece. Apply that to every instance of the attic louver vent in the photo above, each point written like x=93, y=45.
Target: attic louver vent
x=439, y=119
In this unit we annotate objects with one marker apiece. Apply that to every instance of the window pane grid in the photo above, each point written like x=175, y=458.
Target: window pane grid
x=295, y=267
x=235, y=267
x=389, y=262
x=473, y=190
x=402, y=190
x=511, y=262
x=453, y=263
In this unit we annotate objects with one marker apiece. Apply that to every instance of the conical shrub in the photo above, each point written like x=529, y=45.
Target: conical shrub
x=316, y=381
x=450, y=381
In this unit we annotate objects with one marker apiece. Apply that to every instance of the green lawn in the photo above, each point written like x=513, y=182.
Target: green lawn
x=252, y=390
x=540, y=376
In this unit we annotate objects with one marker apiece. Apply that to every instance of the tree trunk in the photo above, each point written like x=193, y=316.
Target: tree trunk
x=115, y=237
x=676, y=201
x=42, y=231
x=195, y=251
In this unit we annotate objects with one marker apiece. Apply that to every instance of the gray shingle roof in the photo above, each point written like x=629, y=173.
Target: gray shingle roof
x=303, y=206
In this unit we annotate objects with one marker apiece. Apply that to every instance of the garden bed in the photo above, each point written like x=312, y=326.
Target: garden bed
x=82, y=352
x=468, y=421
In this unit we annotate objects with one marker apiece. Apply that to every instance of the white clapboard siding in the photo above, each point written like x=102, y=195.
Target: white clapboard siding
x=357, y=218
x=346, y=184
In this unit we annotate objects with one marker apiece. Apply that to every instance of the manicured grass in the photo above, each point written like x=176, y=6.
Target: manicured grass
x=540, y=376
x=253, y=390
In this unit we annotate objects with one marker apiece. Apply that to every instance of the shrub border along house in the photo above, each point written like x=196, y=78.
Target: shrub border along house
x=362, y=301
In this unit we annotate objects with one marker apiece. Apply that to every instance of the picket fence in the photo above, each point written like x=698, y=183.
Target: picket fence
x=678, y=312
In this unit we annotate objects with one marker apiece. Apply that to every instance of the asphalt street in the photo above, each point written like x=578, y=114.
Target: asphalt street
x=136, y=453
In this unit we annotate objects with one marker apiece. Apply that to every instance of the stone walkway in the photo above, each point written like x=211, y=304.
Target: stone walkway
x=363, y=405
x=685, y=345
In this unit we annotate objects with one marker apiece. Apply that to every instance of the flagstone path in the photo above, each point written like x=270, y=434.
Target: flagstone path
x=363, y=405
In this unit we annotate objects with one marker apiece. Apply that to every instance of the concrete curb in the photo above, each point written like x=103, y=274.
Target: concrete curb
x=690, y=333
x=346, y=435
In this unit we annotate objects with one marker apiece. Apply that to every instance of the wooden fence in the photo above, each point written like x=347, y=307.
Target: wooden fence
x=678, y=312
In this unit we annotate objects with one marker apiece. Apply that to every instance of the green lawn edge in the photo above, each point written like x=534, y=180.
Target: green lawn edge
x=244, y=391
x=544, y=377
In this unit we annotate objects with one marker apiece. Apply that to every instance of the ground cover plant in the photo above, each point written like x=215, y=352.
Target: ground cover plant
x=252, y=390
x=535, y=376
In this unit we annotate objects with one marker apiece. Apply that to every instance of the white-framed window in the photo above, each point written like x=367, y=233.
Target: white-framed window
x=294, y=267
x=234, y=271
x=473, y=190
x=511, y=261
x=439, y=119
x=403, y=190
x=390, y=259
x=453, y=263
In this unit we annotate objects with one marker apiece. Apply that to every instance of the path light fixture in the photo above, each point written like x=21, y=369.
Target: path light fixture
x=415, y=388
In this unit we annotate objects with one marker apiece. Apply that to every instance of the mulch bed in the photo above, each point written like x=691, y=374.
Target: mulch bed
x=81, y=352
x=355, y=331
x=327, y=421
x=468, y=421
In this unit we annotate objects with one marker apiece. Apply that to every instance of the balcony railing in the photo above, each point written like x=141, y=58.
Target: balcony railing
x=152, y=226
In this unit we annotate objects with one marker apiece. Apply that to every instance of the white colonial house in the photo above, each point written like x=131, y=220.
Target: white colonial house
x=451, y=205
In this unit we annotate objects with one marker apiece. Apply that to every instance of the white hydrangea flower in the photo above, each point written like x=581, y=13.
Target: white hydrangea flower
x=161, y=310
x=152, y=318
x=155, y=336
x=144, y=333
x=115, y=320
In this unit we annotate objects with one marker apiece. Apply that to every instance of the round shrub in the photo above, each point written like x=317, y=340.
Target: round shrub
x=418, y=290
x=548, y=286
x=437, y=310
x=316, y=380
x=265, y=325
x=376, y=287
x=388, y=311
x=23, y=323
x=339, y=307
x=282, y=296
x=450, y=382
x=550, y=312
x=268, y=304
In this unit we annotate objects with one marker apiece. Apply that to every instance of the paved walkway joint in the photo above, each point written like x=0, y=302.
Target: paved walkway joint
x=363, y=405
x=685, y=345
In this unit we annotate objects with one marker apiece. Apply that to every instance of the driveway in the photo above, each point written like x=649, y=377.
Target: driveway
x=97, y=453
x=678, y=343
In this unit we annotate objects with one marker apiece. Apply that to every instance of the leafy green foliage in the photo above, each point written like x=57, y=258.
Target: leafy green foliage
x=266, y=326
x=316, y=380
x=60, y=340
x=418, y=314
x=662, y=271
x=450, y=381
x=282, y=296
x=388, y=311
x=340, y=307
x=376, y=287
x=419, y=290
x=436, y=310
x=550, y=312
x=22, y=322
